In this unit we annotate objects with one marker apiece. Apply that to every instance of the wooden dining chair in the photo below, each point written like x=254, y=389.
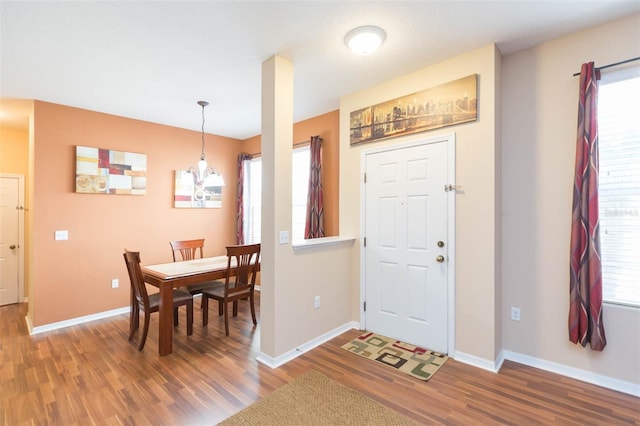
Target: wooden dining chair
x=149, y=303
x=239, y=283
x=189, y=250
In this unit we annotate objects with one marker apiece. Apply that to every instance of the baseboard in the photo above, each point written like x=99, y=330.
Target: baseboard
x=553, y=367
x=476, y=361
x=74, y=321
x=29, y=324
x=275, y=362
x=575, y=373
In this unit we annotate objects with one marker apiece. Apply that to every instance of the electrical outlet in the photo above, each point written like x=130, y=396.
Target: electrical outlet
x=316, y=302
x=515, y=313
x=61, y=235
x=284, y=237
x=115, y=283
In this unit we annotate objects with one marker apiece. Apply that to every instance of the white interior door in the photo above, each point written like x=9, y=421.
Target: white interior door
x=10, y=240
x=406, y=222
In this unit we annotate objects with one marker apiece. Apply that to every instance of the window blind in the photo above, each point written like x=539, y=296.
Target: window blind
x=619, y=189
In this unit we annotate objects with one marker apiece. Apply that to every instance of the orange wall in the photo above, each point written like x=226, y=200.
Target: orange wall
x=73, y=278
x=328, y=127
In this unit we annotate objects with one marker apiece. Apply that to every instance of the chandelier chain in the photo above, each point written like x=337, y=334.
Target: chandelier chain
x=202, y=157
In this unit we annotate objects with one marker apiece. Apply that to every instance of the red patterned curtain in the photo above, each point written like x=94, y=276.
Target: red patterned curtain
x=242, y=159
x=585, y=310
x=314, y=226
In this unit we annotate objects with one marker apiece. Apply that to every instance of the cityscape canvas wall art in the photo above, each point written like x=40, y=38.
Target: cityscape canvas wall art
x=450, y=103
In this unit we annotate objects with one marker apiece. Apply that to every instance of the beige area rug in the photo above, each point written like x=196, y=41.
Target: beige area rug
x=413, y=360
x=314, y=399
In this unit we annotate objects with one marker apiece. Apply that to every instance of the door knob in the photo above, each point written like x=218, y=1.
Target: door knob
x=12, y=246
x=440, y=259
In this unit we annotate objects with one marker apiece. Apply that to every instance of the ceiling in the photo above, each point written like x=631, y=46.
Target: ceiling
x=153, y=60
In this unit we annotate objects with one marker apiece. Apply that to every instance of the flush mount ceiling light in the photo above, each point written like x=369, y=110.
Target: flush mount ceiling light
x=365, y=40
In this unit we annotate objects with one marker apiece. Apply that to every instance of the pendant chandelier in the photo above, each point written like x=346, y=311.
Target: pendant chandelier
x=203, y=174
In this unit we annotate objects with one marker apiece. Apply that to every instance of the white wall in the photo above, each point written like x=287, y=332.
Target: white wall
x=519, y=156
x=539, y=115
x=477, y=254
x=291, y=279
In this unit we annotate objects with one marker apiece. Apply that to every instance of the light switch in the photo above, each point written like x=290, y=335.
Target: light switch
x=284, y=237
x=61, y=235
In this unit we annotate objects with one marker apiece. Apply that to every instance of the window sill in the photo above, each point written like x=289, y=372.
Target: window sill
x=621, y=304
x=318, y=242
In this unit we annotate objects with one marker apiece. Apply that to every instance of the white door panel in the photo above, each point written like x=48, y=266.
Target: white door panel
x=9, y=240
x=405, y=217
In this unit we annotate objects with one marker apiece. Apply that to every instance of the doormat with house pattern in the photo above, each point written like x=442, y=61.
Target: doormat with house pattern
x=413, y=360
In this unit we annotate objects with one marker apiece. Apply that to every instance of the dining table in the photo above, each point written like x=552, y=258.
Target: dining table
x=167, y=276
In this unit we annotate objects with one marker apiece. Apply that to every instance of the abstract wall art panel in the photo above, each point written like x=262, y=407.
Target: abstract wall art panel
x=104, y=171
x=189, y=194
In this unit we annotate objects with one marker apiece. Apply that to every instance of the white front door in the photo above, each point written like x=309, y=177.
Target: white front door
x=10, y=239
x=406, y=224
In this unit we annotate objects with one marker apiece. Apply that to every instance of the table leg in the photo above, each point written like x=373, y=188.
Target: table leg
x=165, y=338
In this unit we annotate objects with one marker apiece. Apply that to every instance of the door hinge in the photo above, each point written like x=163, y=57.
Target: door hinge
x=365, y=178
x=364, y=305
x=450, y=187
x=365, y=241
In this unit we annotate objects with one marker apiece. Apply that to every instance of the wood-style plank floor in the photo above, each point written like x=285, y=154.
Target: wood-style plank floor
x=91, y=374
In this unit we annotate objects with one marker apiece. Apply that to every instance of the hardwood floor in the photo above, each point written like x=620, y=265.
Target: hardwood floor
x=91, y=374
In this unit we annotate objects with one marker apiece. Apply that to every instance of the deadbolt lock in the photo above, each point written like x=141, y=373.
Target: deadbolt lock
x=440, y=259
x=440, y=243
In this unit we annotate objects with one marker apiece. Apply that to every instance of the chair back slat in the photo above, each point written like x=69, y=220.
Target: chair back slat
x=188, y=249
x=132, y=259
x=247, y=258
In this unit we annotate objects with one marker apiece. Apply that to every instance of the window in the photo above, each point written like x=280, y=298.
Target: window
x=253, y=191
x=300, y=187
x=619, y=185
x=252, y=200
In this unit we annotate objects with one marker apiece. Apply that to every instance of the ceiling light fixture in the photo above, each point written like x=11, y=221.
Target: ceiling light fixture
x=365, y=40
x=203, y=173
